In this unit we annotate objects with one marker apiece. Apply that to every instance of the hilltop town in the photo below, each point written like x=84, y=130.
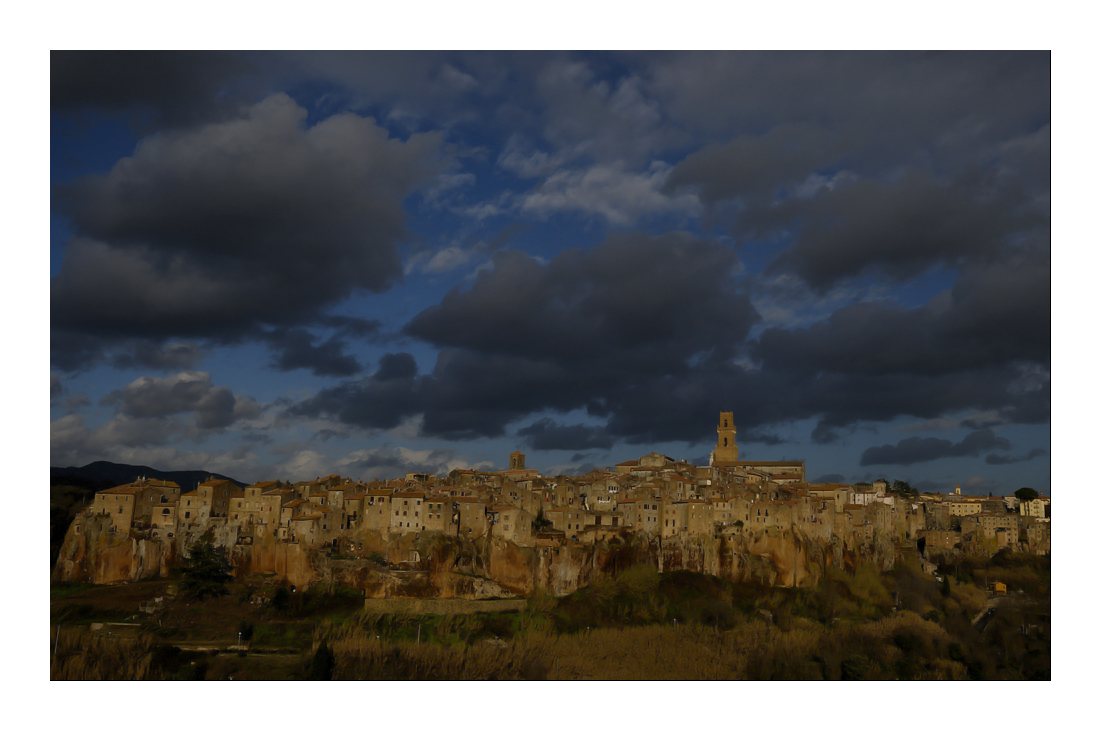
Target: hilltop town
x=653, y=498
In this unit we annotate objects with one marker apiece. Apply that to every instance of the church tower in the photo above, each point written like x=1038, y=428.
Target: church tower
x=726, y=450
x=516, y=461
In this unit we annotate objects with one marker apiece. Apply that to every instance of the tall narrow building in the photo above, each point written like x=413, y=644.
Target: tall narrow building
x=726, y=450
x=516, y=461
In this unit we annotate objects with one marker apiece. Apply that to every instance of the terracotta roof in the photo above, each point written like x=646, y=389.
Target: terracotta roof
x=122, y=490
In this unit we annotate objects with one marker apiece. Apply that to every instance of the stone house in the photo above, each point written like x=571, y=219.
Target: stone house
x=654, y=460
x=1038, y=535
x=627, y=509
x=120, y=503
x=469, y=516
x=571, y=521
x=963, y=506
x=674, y=518
x=376, y=510
x=699, y=518
x=214, y=495
x=513, y=524
x=353, y=507
x=840, y=494
x=1032, y=508
x=625, y=468
x=434, y=518
x=795, y=470
x=405, y=512
x=941, y=540
x=567, y=494
x=992, y=522
x=139, y=504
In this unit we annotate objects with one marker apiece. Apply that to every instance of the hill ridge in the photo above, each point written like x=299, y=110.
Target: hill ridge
x=121, y=474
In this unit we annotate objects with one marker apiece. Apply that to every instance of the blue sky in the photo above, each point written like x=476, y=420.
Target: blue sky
x=281, y=265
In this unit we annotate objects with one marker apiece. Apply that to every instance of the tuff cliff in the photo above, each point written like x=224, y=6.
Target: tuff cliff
x=432, y=565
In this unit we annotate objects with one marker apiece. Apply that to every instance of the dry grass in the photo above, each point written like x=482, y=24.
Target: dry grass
x=82, y=656
x=633, y=653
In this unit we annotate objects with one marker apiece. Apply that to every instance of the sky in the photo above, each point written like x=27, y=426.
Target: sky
x=285, y=265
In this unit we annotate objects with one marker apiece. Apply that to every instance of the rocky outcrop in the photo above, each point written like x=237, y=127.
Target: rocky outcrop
x=436, y=566
x=94, y=553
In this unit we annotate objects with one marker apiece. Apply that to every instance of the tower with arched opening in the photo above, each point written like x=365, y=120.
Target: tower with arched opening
x=726, y=448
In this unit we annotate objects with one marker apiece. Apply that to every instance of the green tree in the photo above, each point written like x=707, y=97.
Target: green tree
x=540, y=521
x=901, y=487
x=321, y=667
x=1026, y=493
x=205, y=571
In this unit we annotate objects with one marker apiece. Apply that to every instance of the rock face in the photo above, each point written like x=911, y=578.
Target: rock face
x=92, y=553
x=435, y=566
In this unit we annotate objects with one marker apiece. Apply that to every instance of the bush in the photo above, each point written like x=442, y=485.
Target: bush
x=321, y=667
x=854, y=668
x=205, y=571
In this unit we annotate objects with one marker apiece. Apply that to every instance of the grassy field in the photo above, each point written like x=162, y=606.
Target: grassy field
x=638, y=625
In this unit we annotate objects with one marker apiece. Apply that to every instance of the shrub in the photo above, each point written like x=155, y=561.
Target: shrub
x=205, y=570
x=321, y=667
x=854, y=667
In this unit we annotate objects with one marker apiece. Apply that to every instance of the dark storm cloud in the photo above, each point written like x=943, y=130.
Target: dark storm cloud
x=569, y=334
x=882, y=164
x=824, y=434
x=648, y=301
x=996, y=313
x=649, y=349
x=832, y=477
x=756, y=436
x=167, y=357
x=56, y=389
x=214, y=407
x=949, y=107
x=548, y=434
x=208, y=232
x=898, y=228
x=295, y=348
x=173, y=86
x=926, y=449
x=756, y=167
x=999, y=459
x=396, y=365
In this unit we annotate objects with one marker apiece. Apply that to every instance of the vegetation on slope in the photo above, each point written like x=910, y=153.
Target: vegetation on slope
x=640, y=624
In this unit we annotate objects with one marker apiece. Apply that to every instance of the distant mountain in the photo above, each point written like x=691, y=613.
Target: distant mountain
x=122, y=474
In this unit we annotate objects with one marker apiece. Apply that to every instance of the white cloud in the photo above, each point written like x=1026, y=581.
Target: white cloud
x=443, y=261
x=516, y=158
x=618, y=195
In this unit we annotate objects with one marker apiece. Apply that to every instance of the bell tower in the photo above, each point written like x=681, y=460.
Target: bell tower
x=726, y=450
x=516, y=461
